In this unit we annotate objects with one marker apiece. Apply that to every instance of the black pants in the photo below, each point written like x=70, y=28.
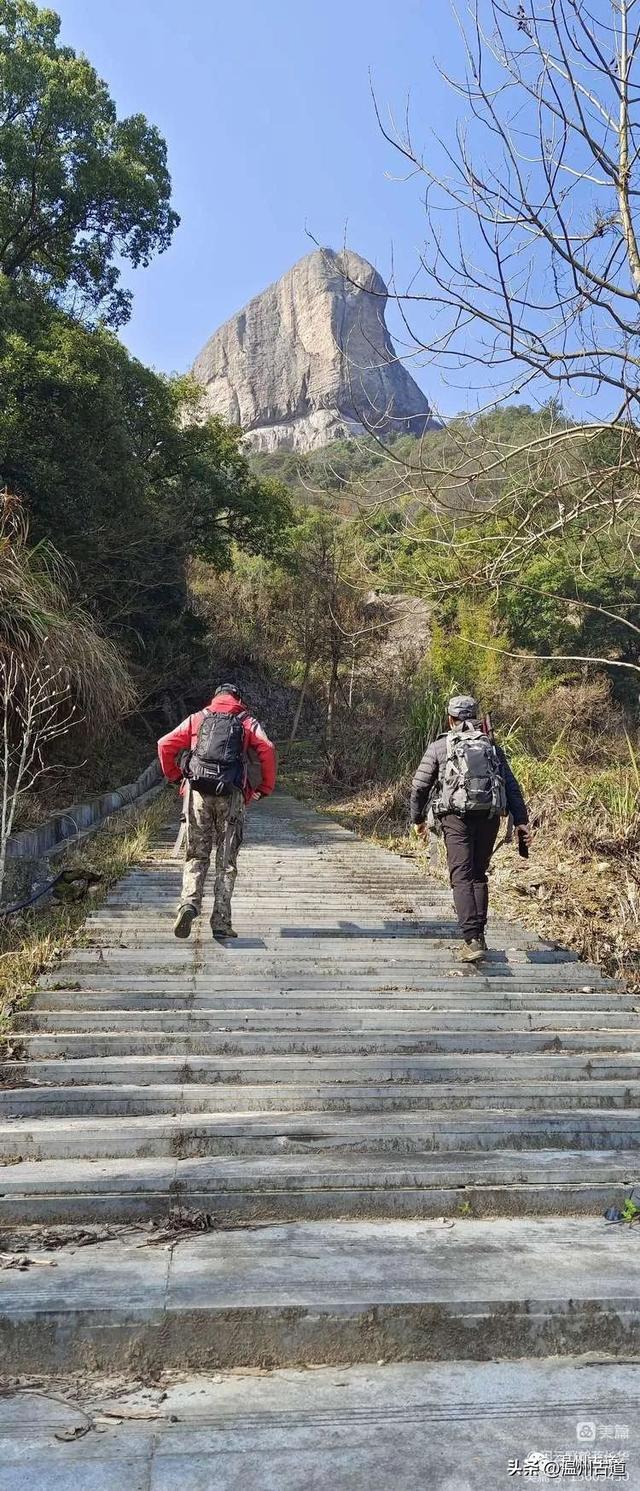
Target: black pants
x=470, y=840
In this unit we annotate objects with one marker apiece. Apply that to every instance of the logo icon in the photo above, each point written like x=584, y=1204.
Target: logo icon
x=585, y=1432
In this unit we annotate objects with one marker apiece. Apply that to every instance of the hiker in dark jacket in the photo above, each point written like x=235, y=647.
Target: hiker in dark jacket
x=466, y=782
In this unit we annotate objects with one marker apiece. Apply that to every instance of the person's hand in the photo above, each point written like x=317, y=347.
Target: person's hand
x=421, y=830
x=257, y=796
x=525, y=832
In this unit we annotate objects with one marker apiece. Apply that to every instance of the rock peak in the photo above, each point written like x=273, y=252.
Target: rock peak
x=311, y=360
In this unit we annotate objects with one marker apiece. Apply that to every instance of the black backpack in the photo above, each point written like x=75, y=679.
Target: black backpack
x=218, y=763
x=472, y=781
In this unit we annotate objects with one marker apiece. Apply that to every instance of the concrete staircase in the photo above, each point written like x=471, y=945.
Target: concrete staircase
x=399, y=1158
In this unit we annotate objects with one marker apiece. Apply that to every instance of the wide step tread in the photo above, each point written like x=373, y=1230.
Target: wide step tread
x=327, y=1291
x=389, y=1155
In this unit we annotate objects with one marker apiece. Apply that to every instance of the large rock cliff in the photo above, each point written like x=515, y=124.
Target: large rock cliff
x=311, y=360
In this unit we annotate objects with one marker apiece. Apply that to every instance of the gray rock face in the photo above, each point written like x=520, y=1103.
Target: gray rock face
x=311, y=360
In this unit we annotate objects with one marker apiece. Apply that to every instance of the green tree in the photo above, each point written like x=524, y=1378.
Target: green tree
x=98, y=448
x=321, y=610
x=80, y=189
x=220, y=501
x=582, y=599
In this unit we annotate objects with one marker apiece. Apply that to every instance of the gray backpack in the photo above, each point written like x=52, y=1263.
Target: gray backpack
x=472, y=781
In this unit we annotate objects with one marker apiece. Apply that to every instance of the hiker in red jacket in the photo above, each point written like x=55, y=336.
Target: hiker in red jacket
x=225, y=761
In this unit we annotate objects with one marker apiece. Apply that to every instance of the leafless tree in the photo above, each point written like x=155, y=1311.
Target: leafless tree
x=529, y=281
x=36, y=708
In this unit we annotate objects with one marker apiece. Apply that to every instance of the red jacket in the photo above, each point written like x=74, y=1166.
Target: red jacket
x=184, y=738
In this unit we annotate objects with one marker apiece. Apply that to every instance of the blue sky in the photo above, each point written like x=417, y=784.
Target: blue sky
x=266, y=109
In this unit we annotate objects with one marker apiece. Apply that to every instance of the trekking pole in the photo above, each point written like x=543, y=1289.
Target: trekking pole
x=523, y=847
x=487, y=727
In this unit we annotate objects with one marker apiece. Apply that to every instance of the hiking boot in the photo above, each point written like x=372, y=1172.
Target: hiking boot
x=222, y=934
x=483, y=942
x=182, y=923
x=473, y=950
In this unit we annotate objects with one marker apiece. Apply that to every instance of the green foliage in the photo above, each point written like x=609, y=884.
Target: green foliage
x=612, y=799
x=240, y=609
x=352, y=473
x=116, y=472
x=454, y=665
x=630, y=1212
x=559, y=602
x=99, y=448
x=199, y=467
x=80, y=189
x=426, y=719
x=465, y=658
x=563, y=582
x=346, y=473
x=300, y=617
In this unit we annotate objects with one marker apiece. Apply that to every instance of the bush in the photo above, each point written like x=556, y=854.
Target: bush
x=466, y=657
x=427, y=717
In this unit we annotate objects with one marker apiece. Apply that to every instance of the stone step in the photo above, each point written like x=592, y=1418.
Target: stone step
x=291, y=948
x=320, y=1005
x=391, y=991
x=326, y=1089
x=311, y=1292
x=453, y=1426
x=158, y=1131
x=292, y=859
x=219, y=970
x=442, y=938
x=170, y=1044
x=290, y=1020
x=337, y=895
x=377, y=1099
x=379, y=888
x=340, y=910
x=273, y=1070
x=240, y=1191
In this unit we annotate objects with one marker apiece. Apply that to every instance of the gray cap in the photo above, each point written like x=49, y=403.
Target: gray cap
x=463, y=707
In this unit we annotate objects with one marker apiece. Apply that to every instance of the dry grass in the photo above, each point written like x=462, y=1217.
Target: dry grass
x=40, y=623
x=35, y=940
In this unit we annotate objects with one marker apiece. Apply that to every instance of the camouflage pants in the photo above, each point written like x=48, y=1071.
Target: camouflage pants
x=209, y=819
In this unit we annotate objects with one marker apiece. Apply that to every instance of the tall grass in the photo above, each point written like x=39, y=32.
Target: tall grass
x=604, y=801
x=38, y=617
x=427, y=718
x=613, y=800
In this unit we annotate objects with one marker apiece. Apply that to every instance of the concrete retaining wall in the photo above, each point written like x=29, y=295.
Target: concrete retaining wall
x=48, y=839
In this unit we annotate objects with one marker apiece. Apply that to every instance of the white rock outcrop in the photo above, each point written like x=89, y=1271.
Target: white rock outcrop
x=311, y=360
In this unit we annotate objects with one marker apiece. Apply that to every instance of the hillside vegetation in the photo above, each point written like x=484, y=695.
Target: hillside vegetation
x=142, y=552
x=329, y=616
